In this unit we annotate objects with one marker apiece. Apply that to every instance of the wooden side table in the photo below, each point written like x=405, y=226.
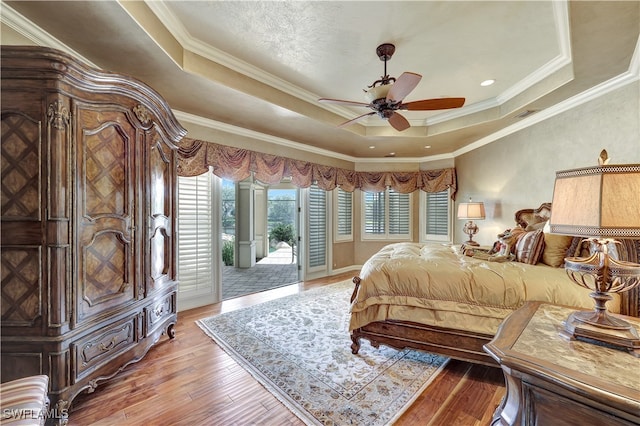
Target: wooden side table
x=550, y=380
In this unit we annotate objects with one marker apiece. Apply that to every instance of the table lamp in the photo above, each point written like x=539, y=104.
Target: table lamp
x=470, y=211
x=601, y=204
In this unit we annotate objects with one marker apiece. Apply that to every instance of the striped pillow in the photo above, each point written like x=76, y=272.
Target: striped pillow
x=530, y=247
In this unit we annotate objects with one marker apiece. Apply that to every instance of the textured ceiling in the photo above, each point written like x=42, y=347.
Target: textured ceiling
x=259, y=67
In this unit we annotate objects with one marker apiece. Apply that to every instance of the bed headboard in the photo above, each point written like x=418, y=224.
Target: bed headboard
x=526, y=217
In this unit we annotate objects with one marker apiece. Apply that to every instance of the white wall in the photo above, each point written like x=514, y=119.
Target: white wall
x=518, y=171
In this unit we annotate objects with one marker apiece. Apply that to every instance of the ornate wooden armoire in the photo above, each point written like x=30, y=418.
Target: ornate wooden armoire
x=88, y=220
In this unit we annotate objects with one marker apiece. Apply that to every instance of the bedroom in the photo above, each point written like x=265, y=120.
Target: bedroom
x=515, y=170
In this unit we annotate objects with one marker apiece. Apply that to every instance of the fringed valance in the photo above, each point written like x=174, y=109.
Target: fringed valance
x=195, y=157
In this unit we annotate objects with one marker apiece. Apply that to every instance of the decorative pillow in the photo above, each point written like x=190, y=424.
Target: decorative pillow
x=508, y=240
x=555, y=249
x=530, y=247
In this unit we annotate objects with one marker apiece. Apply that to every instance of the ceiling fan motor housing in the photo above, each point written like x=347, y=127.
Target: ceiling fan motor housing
x=385, y=51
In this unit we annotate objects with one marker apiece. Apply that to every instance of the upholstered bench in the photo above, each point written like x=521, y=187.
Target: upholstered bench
x=25, y=401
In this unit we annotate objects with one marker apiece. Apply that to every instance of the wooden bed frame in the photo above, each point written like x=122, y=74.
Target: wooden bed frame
x=459, y=344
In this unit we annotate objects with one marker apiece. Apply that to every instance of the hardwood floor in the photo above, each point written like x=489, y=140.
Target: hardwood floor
x=191, y=381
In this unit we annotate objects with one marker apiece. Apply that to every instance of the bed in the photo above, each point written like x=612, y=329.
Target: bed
x=436, y=298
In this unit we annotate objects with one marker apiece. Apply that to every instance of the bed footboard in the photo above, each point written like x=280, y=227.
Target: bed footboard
x=458, y=344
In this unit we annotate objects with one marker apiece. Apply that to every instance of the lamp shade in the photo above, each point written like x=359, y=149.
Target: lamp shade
x=601, y=201
x=471, y=211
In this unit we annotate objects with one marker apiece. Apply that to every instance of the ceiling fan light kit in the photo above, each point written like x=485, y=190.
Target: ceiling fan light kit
x=386, y=95
x=378, y=92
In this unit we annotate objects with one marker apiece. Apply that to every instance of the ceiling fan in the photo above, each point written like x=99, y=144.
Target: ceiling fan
x=386, y=96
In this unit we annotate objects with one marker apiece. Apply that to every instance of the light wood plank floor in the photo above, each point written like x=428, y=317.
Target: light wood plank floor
x=191, y=381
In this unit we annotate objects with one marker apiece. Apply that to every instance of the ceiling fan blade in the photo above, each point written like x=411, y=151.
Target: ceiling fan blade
x=353, y=120
x=341, y=102
x=433, y=104
x=403, y=86
x=399, y=122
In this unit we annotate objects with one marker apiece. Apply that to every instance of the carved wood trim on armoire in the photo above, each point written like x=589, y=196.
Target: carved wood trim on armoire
x=88, y=220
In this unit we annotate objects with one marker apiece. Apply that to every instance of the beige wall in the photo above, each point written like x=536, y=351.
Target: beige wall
x=518, y=171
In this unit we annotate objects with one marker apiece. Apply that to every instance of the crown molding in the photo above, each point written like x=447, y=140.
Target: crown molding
x=31, y=31
x=629, y=77
x=561, y=15
x=241, y=131
x=196, y=46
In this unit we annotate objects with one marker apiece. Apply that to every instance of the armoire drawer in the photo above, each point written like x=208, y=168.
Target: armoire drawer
x=103, y=345
x=157, y=312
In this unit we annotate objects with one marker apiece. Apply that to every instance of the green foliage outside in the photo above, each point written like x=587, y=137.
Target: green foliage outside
x=282, y=232
x=227, y=253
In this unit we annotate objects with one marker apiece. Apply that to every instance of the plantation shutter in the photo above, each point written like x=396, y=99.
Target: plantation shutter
x=374, y=213
x=317, y=251
x=344, y=221
x=195, y=232
x=399, y=216
x=435, y=213
x=437, y=210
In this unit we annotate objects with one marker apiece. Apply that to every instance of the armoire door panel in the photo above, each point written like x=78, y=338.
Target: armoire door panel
x=107, y=274
x=160, y=174
x=106, y=267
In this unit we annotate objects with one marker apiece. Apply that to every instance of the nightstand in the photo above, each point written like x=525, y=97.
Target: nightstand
x=550, y=380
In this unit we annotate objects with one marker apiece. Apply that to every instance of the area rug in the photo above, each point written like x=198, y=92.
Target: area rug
x=298, y=347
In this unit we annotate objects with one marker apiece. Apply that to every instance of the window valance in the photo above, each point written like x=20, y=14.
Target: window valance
x=195, y=157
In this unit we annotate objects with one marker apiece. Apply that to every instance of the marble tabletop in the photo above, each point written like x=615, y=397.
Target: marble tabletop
x=541, y=339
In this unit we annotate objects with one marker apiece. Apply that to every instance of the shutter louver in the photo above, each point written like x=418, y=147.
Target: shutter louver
x=398, y=213
x=374, y=214
x=195, y=248
x=317, y=227
x=437, y=211
x=345, y=206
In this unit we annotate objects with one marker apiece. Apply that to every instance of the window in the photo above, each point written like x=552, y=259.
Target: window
x=343, y=215
x=386, y=215
x=195, y=242
x=281, y=207
x=317, y=228
x=435, y=216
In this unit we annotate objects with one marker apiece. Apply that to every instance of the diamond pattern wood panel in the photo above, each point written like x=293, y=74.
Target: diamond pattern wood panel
x=105, y=175
x=20, y=167
x=21, y=286
x=105, y=269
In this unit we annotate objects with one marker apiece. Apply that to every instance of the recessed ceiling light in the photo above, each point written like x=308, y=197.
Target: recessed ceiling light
x=487, y=82
x=427, y=146
x=371, y=147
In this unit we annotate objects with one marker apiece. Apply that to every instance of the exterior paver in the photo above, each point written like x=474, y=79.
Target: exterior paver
x=278, y=269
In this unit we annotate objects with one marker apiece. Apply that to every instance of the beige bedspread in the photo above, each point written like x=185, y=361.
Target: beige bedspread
x=435, y=284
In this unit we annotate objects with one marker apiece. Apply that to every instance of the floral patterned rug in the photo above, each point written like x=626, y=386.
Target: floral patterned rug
x=298, y=347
